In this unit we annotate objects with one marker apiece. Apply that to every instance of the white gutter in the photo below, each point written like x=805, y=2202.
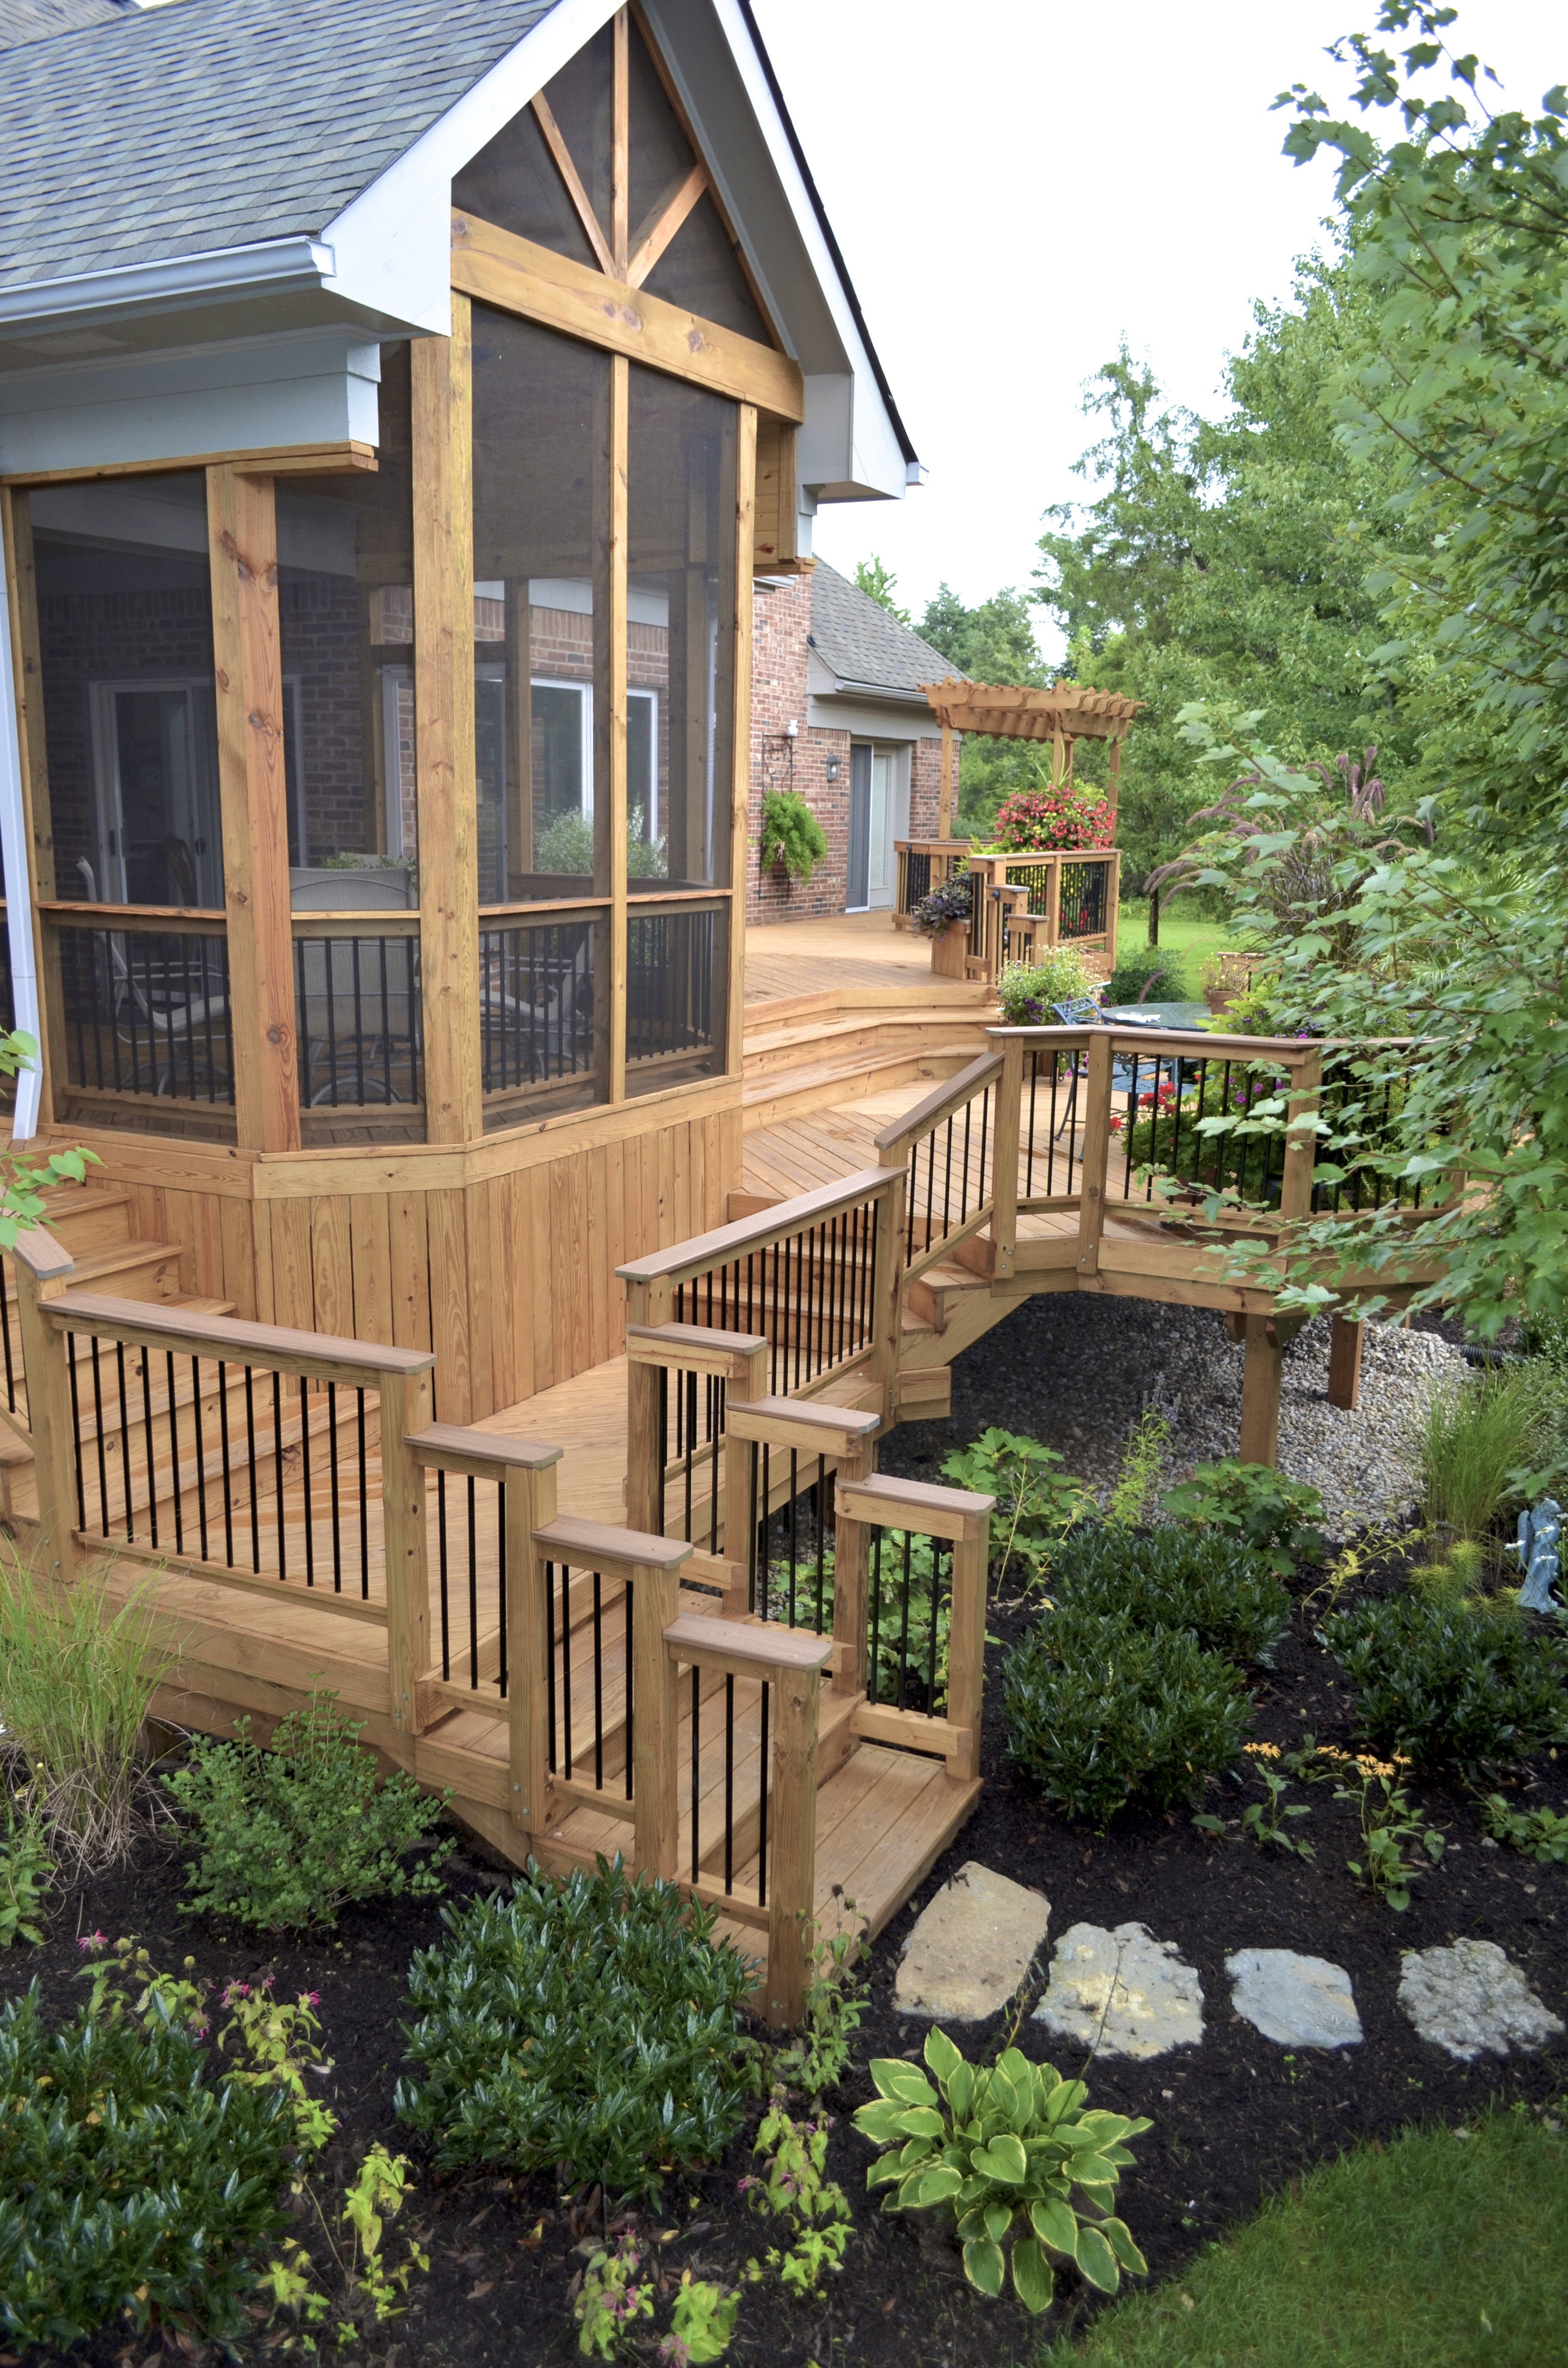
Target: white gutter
x=18, y=883
x=272, y=266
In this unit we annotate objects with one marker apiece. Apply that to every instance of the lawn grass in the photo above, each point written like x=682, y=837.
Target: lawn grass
x=1435, y=2249
x=1184, y=938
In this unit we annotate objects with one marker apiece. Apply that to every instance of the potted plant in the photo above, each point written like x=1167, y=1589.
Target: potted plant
x=1225, y=979
x=1036, y=821
x=943, y=917
x=792, y=835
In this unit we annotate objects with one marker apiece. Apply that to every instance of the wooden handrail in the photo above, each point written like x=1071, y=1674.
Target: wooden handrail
x=596, y=1545
x=45, y=1258
x=938, y=1103
x=894, y=1503
x=746, y=1648
x=228, y=1339
x=1192, y=1044
x=695, y=1349
x=728, y=1242
x=158, y=920
x=478, y=1455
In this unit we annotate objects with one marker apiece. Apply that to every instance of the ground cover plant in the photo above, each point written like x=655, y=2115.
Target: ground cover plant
x=1277, y=1518
x=25, y=1870
x=287, y=1837
x=76, y=1682
x=1038, y=1501
x=1479, y=1439
x=588, y=2026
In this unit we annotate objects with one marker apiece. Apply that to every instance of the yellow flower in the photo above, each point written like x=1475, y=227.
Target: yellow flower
x=1262, y=1750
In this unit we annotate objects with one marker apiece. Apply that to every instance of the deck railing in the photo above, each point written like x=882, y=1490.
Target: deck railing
x=1021, y=903
x=923, y=864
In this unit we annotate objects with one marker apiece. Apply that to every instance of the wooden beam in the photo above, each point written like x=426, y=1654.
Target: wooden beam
x=620, y=435
x=774, y=542
x=574, y=180
x=655, y=233
x=621, y=146
x=443, y=723
x=1261, y=1374
x=511, y=272
x=243, y=553
x=26, y=674
x=739, y=729
x=267, y=461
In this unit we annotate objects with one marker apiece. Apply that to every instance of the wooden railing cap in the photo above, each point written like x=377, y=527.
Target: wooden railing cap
x=255, y=1344
x=887, y=1487
x=698, y=1336
x=930, y=1113
x=45, y=1258
x=764, y=1641
x=851, y=1420
x=481, y=1446
x=728, y=1242
x=582, y=1544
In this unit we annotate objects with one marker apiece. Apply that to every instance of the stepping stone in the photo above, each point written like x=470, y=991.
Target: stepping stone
x=1472, y=2001
x=1126, y=1989
x=1299, y=2001
x=971, y=1948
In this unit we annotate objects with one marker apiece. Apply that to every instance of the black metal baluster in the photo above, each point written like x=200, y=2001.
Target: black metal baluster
x=98, y=1428
x=822, y=1538
x=762, y=1809
x=174, y=1451
x=251, y=1471
x=549, y=1660
x=124, y=1437
x=793, y=1528
x=696, y=1754
x=224, y=1443
x=598, y=1687
x=904, y=1627
x=872, y=1673
x=631, y=1614
x=332, y=1471
x=441, y=1570
x=729, y=1781
x=75, y=1428
x=364, y=1509
x=501, y=1574
x=277, y=1467
x=473, y=1591
x=305, y=1478
x=936, y=1546
x=566, y=1668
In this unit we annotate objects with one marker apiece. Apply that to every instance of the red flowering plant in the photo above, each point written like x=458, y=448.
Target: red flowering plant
x=1039, y=820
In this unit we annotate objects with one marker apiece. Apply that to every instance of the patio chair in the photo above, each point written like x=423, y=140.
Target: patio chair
x=550, y=1023
x=176, y=1018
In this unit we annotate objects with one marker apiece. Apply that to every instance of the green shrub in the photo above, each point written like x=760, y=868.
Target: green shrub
x=1028, y=991
x=791, y=834
x=1101, y=1712
x=1202, y=1580
x=588, y=2024
x=136, y=2176
x=1453, y=1687
x=286, y=1837
x=25, y=1868
x=1162, y=974
x=1476, y=1436
x=1138, y=1474
x=77, y=1677
x=1541, y=1833
x=566, y=845
x=1037, y=1502
x=1010, y=2150
x=1278, y=1519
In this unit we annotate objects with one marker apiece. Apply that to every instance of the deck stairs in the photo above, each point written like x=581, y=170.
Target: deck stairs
x=810, y=1052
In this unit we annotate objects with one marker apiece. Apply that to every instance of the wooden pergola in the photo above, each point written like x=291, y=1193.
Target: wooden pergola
x=1068, y=711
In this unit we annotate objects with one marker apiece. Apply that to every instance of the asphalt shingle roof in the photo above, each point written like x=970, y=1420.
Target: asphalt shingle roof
x=37, y=20
x=213, y=123
x=863, y=644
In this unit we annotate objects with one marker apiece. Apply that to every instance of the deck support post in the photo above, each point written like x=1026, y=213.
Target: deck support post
x=646, y=1303
x=791, y=1879
x=531, y=1505
x=43, y=1271
x=1004, y=1158
x=1095, y=1157
x=1345, y=1341
x=655, y=1722
x=742, y=1512
x=887, y=1298
x=851, y=1578
x=966, y=1646
x=405, y=1409
x=1260, y=1390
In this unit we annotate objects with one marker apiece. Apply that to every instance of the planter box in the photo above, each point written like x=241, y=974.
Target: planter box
x=949, y=953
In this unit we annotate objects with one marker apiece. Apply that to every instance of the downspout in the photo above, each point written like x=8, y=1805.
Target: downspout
x=14, y=854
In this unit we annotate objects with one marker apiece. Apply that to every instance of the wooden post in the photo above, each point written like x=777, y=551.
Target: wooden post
x=444, y=726
x=1260, y=1390
x=792, y=1876
x=253, y=792
x=851, y=1579
x=1113, y=792
x=42, y=1268
x=621, y=146
x=886, y=1297
x=531, y=1503
x=1113, y=906
x=739, y=729
x=1095, y=1159
x=647, y=1303
x=1054, y=901
x=1345, y=1340
x=966, y=1647
x=1005, y=1157
x=741, y=1456
x=945, y=792
x=655, y=1723
x=26, y=674
x=1301, y=1142
x=619, y=429
x=405, y=1408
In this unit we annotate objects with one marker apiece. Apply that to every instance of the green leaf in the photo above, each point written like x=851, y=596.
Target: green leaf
x=923, y=2122
x=1118, y=2237
x=1004, y=2158
x=937, y=2186
x=905, y=2082
x=1034, y=2281
x=881, y=2121
x=959, y=2088
x=884, y=2173
x=1096, y=2262
x=998, y=2220
x=1055, y=2224
x=1092, y=2170
x=983, y=2267
x=942, y=2056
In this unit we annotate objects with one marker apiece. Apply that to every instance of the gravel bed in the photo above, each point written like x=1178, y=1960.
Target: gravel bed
x=1075, y=1371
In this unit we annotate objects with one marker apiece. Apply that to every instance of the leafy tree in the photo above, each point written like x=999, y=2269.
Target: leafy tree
x=1224, y=559
x=879, y=584
x=994, y=643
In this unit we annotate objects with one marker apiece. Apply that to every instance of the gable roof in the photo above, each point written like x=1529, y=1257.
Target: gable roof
x=37, y=20
x=867, y=648
x=217, y=123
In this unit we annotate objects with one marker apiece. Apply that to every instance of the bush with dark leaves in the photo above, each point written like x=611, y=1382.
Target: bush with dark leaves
x=1226, y=1594
x=1101, y=1712
x=586, y=2026
x=1457, y=1689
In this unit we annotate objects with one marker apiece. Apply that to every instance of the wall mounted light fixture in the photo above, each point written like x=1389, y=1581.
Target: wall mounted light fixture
x=831, y=768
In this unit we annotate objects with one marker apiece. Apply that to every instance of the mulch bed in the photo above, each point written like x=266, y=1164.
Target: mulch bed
x=1233, y=2119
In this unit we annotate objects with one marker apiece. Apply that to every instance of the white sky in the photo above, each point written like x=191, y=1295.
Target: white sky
x=1015, y=186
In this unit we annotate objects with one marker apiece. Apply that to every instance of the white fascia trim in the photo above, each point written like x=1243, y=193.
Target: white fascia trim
x=869, y=410
x=394, y=242
x=269, y=267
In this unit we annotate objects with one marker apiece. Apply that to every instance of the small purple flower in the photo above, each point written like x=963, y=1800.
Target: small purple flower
x=94, y=1941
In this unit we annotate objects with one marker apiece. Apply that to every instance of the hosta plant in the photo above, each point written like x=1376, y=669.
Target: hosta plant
x=1011, y=2150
